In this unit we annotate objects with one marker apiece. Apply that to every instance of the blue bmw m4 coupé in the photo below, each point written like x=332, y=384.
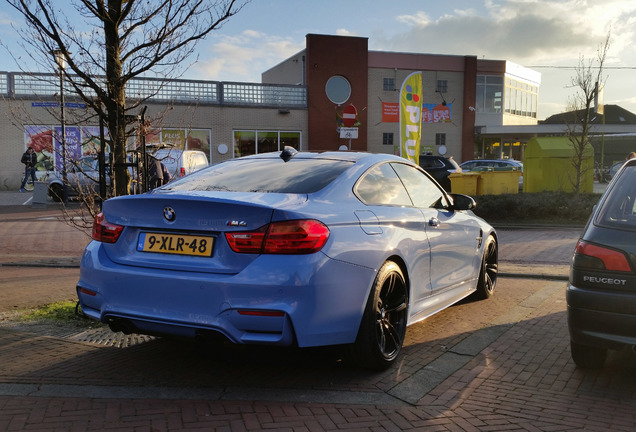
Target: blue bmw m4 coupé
x=289, y=249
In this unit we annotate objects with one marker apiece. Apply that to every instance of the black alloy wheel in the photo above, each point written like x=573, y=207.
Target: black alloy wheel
x=489, y=270
x=56, y=191
x=383, y=326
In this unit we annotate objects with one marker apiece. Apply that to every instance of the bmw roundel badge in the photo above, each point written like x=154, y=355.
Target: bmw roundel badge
x=169, y=214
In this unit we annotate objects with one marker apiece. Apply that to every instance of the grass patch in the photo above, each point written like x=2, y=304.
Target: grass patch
x=62, y=311
x=555, y=208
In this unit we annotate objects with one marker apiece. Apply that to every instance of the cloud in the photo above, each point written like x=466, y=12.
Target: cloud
x=531, y=33
x=344, y=32
x=241, y=58
x=520, y=28
x=521, y=31
x=419, y=19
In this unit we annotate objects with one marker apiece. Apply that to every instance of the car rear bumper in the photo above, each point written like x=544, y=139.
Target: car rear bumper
x=601, y=318
x=309, y=300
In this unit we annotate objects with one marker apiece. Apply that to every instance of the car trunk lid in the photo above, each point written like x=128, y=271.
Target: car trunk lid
x=186, y=231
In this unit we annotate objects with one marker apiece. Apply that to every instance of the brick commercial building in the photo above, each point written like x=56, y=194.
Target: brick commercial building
x=300, y=102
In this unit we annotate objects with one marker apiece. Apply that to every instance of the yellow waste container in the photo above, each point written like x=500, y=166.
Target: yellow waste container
x=493, y=182
x=464, y=183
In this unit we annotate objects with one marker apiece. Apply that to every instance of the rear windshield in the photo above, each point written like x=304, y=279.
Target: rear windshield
x=619, y=208
x=300, y=176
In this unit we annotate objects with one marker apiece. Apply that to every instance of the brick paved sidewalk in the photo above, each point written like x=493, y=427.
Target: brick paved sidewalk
x=511, y=373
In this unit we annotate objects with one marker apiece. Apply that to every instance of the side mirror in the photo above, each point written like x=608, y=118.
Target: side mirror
x=463, y=202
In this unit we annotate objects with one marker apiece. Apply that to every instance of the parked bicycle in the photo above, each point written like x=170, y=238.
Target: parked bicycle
x=601, y=174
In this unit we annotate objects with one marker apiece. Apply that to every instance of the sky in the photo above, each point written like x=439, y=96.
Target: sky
x=549, y=36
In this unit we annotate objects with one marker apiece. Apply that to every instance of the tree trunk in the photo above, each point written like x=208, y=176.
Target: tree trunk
x=116, y=104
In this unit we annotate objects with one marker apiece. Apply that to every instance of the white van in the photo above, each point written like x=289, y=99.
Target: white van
x=181, y=162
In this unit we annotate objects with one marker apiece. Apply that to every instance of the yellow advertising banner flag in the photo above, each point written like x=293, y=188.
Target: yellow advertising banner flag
x=410, y=117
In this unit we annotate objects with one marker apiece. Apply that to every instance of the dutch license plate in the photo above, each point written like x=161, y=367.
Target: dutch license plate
x=179, y=244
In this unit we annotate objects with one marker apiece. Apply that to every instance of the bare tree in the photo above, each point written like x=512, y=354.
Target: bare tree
x=588, y=80
x=116, y=41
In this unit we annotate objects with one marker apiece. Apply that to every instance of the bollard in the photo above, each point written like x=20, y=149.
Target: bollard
x=40, y=194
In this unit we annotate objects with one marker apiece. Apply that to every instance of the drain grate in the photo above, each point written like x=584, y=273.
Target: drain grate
x=85, y=331
x=105, y=337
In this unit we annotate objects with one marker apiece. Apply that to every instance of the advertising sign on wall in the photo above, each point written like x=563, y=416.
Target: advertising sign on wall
x=390, y=112
x=174, y=138
x=73, y=145
x=41, y=139
x=90, y=140
x=436, y=113
x=431, y=112
x=45, y=140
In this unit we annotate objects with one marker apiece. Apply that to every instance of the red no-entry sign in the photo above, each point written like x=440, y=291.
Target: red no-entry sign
x=349, y=115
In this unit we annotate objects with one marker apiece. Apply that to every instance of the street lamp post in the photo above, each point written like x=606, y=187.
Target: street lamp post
x=61, y=64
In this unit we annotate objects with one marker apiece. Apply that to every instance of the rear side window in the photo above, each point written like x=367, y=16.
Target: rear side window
x=421, y=189
x=301, y=176
x=619, y=208
x=381, y=186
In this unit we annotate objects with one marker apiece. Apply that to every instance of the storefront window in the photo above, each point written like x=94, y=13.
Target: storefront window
x=267, y=142
x=244, y=143
x=253, y=141
x=291, y=139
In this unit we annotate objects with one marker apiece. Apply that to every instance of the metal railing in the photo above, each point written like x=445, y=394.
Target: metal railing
x=44, y=86
x=264, y=95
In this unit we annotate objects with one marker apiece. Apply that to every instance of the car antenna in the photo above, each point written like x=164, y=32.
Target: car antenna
x=288, y=153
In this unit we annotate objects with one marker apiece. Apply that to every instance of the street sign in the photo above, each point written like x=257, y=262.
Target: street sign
x=349, y=116
x=57, y=104
x=349, y=132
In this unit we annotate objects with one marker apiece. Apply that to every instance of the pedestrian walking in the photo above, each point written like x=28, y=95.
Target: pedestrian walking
x=29, y=159
x=155, y=172
x=166, y=174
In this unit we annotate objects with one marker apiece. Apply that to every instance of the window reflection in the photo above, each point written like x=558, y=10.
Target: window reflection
x=249, y=142
x=264, y=175
x=421, y=189
x=381, y=186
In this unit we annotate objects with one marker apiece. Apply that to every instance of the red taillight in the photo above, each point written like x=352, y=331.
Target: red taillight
x=288, y=237
x=261, y=313
x=105, y=231
x=247, y=242
x=88, y=292
x=612, y=259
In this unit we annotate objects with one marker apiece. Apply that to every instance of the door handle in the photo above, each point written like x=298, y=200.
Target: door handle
x=434, y=222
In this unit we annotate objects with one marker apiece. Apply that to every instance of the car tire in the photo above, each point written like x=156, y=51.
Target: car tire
x=383, y=325
x=586, y=356
x=489, y=270
x=56, y=192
